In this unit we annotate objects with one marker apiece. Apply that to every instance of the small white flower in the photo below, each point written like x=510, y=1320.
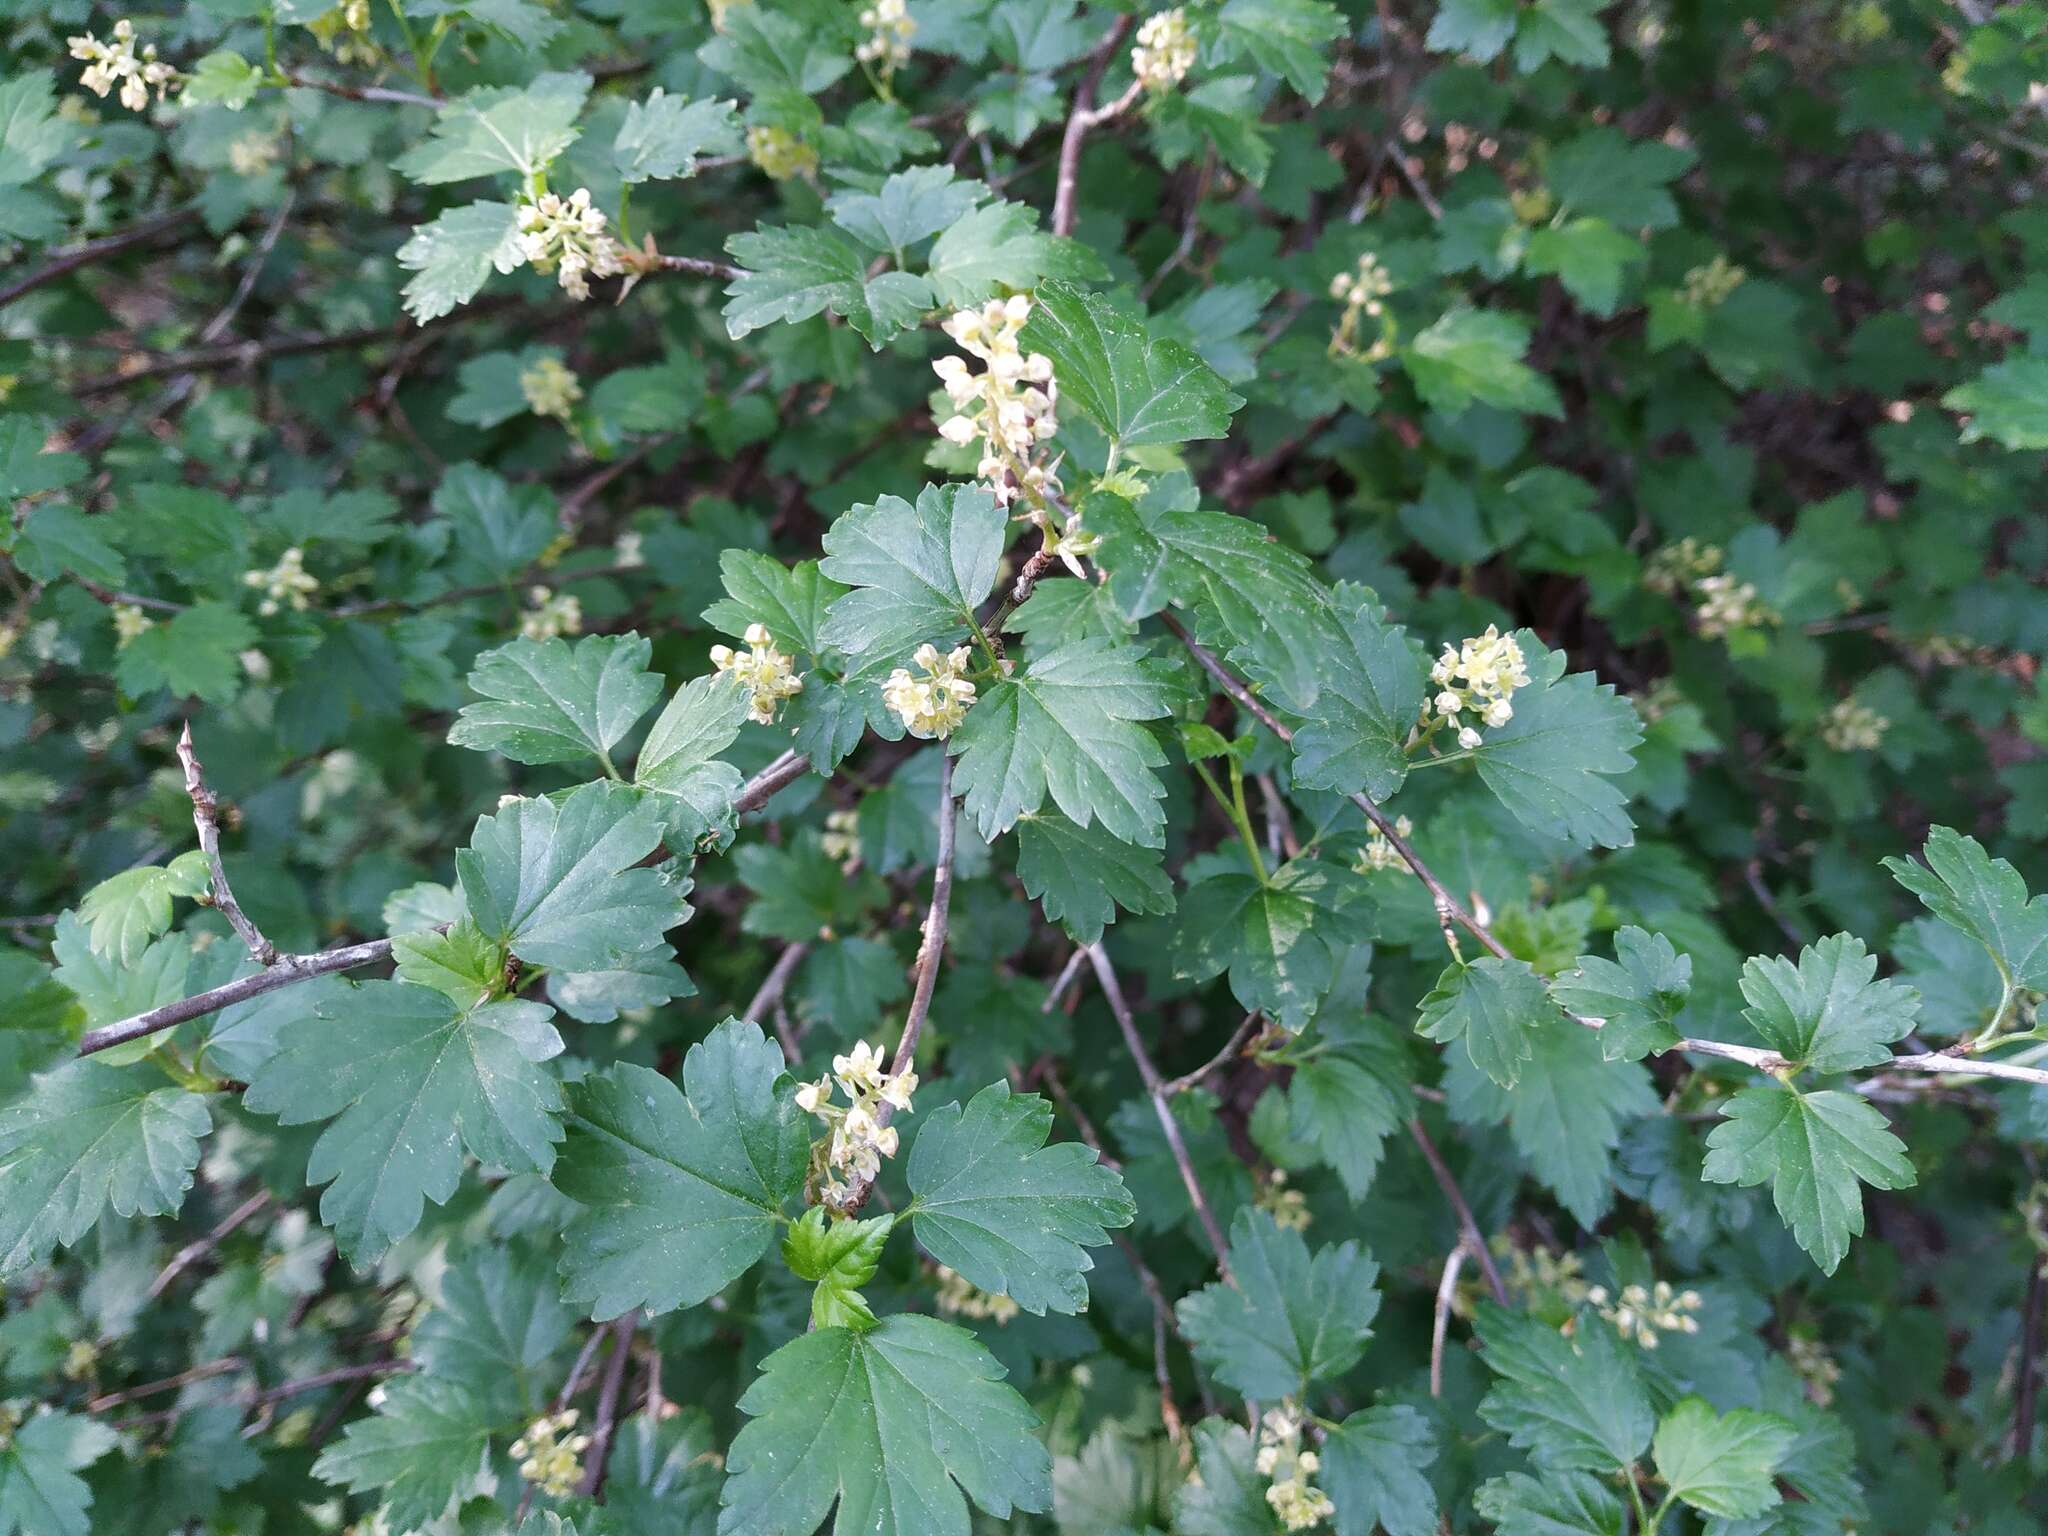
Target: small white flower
x=286, y=584
x=551, y=616
x=568, y=235
x=935, y=704
x=116, y=63
x=768, y=674
x=1165, y=50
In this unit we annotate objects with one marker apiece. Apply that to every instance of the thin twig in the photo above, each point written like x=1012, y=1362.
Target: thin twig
x=199, y=1248
x=1474, y=1239
x=66, y=262
x=766, y=784
x=287, y=971
x=1446, y=1290
x=697, y=266
x=1105, y=975
x=206, y=822
x=1085, y=116
x=772, y=988
x=608, y=1406
x=1065, y=979
x=2027, y=1387
x=383, y=93
x=205, y=1372
x=1236, y=1043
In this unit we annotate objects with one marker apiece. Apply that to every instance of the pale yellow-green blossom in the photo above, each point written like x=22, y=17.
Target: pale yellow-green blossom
x=550, y=1455
x=1708, y=286
x=1725, y=604
x=1291, y=1470
x=130, y=622
x=932, y=705
x=840, y=840
x=1475, y=682
x=551, y=616
x=569, y=236
x=890, y=27
x=1853, y=727
x=550, y=387
x=1287, y=1205
x=1646, y=1313
x=960, y=1297
x=1165, y=50
x=288, y=584
x=1011, y=408
x=767, y=674
x=1379, y=852
x=116, y=64
x=859, y=1139
x=1362, y=291
x=344, y=31
x=1677, y=566
x=779, y=153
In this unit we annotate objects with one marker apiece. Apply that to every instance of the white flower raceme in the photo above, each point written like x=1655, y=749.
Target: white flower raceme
x=1010, y=408
x=1677, y=566
x=1814, y=1366
x=344, y=31
x=568, y=235
x=550, y=388
x=549, y=1455
x=288, y=584
x=1287, y=1205
x=840, y=840
x=551, y=616
x=1294, y=1499
x=1644, y=1313
x=1378, y=852
x=1165, y=50
x=935, y=704
x=129, y=623
x=252, y=154
x=1363, y=292
x=779, y=153
x=1853, y=727
x=890, y=29
x=859, y=1137
x=116, y=63
x=1727, y=604
x=1476, y=679
x=1708, y=286
x=961, y=1297
x=766, y=673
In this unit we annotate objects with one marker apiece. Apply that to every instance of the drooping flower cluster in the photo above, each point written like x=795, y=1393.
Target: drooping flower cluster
x=1165, y=50
x=253, y=154
x=1853, y=727
x=1363, y=292
x=890, y=29
x=766, y=673
x=551, y=616
x=288, y=584
x=569, y=236
x=550, y=388
x=344, y=32
x=779, y=153
x=860, y=1139
x=935, y=704
x=840, y=840
x=1678, y=566
x=1287, y=1205
x=130, y=622
x=1814, y=1366
x=961, y=1297
x=1646, y=1313
x=116, y=63
x=550, y=1455
x=1378, y=852
x=1710, y=285
x=1011, y=408
x=1544, y=1283
x=1294, y=1498
x=1477, y=679
x=1726, y=604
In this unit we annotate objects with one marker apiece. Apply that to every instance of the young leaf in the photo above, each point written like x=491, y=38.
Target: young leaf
x=500, y=128
x=1722, y=1464
x=1373, y=1469
x=1495, y=1006
x=840, y=1257
x=1470, y=355
x=909, y=206
x=125, y=911
x=89, y=1136
x=662, y=137
x=548, y=701
x=1136, y=389
x=1827, y=1013
x=1354, y=736
x=796, y=272
x=460, y=963
x=1000, y=245
x=41, y=1493
x=1563, y=1504
x=1081, y=875
x=1638, y=993
x=1288, y=38
x=422, y=1449
x=560, y=883
x=411, y=1081
x=993, y=1202
x=893, y=1423
x=1290, y=1320
x=1554, y=764
x=1279, y=938
x=1983, y=897
x=1347, y=1098
x=1226, y=1496
x=792, y=600
x=917, y=573
x=1574, y=1402
x=680, y=762
x=1062, y=725
x=1815, y=1150
x=684, y=1186
x=451, y=257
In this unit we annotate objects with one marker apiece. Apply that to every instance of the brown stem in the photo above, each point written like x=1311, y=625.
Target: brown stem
x=206, y=822
x=1473, y=1238
x=205, y=1372
x=1105, y=975
x=1236, y=1043
x=1086, y=115
x=608, y=1405
x=2026, y=1389
x=1446, y=1291
x=198, y=1249
x=772, y=988
x=696, y=266
x=66, y=262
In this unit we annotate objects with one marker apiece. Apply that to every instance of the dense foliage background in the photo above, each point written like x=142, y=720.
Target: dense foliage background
x=435, y=407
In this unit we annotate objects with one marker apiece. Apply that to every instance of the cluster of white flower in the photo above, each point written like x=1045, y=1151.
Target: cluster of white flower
x=1378, y=852
x=129, y=623
x=116, y=63
x=1645, y=1313
x=1363, y=292
x=890, y=29
x=1853, y=727
x=961, y=1297
x=1280, y=1200
x=780, y=154
x=1011, y=408
x=626, y=548
x=1294, y=1498
x=550, y=388
x=860, y=1138
x=252, y=154
x=551, y=616
x=549, y=1454
x=1478, y=676
x=1727, y=604
x=1165, y=50
x=1814, y=1366
x=1677, y=566
x=1707, y=286
x=344, y=32
x=569, y=235
x=935, y=704
x=766, y=673
x=288, y=584
x=1364, y=287
x=841, y=838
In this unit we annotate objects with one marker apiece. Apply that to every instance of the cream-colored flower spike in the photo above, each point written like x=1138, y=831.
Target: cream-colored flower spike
x=550, y=1456
x=1165, y=50
x=287, y=584
x=116, y=63
x=550, y=388
x=1475, y=683
x=1010, y=409
x=935, y=704
x=890, y=29
x=1293, y=1497
x=859, y=1139
x=766, y=673
x=568, y=235
x=551, y=616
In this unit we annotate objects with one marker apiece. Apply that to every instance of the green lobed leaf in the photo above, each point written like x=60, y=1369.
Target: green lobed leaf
x=1827, y=1013
x=839, y=1256
x=1495, y=1006
x=500, y=128
x=1983, y=897
x=1081, y=876
x=125, y=911
x=1354, y=737
x=1137, y=389
x=41, y=1493
x=1563, y=1504
x=662, y=137
x=1280, y=938
x=1374, y=1469
x=422, y=1449
x=451, y=257
x=915, y=573
x=679, y=760
x=1638, y=993
x=1722, y=1463
x=1575, y=1402
x=548, y=701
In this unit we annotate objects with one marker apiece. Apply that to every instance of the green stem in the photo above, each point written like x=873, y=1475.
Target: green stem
x=270, y=47
x=1236, y=808
x=625, y=214
x=604, y=759
x=2008, y=994
x=1646, y=1524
